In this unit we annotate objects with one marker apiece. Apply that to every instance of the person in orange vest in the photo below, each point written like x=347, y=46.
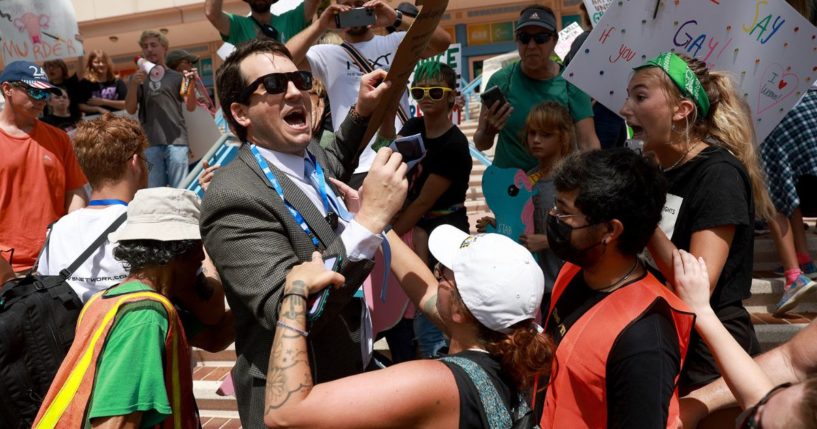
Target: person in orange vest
x=130, y=363
x=621, y=336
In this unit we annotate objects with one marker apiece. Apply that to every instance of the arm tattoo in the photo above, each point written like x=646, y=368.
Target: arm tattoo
x=296, y=306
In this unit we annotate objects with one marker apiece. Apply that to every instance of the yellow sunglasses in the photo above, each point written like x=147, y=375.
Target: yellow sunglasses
x=434, y=92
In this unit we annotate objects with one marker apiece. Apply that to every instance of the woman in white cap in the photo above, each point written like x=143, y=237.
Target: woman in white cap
x=485, y=297
x=130, y=361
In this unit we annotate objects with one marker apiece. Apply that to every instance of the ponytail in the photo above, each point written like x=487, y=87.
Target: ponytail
x=523, y=353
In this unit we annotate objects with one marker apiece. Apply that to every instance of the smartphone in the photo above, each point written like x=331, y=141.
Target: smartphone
x=411, y=148
x=492, y=95
x=357, y=17
x=317, y=302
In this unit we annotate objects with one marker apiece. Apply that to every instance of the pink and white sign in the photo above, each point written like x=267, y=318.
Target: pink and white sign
x=769, y=48
x=38, y=30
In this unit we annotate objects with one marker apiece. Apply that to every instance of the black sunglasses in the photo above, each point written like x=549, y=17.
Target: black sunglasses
x=539, y=38
x=749, y=418
x=276, y=83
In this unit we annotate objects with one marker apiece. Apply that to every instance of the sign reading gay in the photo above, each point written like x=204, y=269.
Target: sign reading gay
x=595, y=9
x=769, y=49
x=38, y=30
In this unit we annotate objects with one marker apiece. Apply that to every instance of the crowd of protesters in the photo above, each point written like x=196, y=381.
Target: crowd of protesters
x=608, y=313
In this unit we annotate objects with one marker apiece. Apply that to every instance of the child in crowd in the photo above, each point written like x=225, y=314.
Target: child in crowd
x=549, y=136
x=438, y=184
x=59, y=114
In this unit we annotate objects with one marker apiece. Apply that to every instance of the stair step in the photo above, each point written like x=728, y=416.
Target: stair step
x=220, y=422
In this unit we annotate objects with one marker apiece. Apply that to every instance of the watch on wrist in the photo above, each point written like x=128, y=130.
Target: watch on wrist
x=397, y=22
x=357, y=117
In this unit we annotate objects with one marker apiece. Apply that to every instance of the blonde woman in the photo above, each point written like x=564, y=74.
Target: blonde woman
x=100, y=91
x=701, y=134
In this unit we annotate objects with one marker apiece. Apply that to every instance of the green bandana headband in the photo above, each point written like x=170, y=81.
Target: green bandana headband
x=684, y=78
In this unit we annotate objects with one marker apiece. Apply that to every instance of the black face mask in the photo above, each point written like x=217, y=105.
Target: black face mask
x=559, y=233
x=260, y=8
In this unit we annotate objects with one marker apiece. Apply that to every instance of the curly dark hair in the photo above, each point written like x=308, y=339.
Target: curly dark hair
x=139, y=254
x=616, y=184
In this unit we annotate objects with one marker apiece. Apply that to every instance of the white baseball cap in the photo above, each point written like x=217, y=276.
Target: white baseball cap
x=163, y=214
x=497, y=278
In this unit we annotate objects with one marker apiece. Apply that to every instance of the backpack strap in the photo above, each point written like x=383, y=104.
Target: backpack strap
x=495, y=410
x=364, y=65
x=65, y=273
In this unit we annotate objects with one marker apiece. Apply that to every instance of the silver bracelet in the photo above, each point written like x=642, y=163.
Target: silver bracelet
x=300, y=332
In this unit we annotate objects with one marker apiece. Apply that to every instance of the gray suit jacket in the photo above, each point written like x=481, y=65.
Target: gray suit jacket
x=254, y=241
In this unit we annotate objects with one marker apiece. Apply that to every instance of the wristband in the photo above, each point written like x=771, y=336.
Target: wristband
x=300, y=332
x=397, y=22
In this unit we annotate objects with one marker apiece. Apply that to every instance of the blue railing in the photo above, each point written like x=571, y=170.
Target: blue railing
x=469, y=93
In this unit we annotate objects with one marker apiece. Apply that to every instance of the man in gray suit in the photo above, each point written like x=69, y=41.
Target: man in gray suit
x=271, y=207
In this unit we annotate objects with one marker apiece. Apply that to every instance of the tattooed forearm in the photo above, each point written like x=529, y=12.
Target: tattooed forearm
x=289, y=379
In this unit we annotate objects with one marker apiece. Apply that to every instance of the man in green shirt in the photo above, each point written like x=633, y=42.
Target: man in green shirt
x=261, y=23
x=533, y=80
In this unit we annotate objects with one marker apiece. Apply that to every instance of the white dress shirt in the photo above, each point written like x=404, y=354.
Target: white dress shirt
x=359, y=242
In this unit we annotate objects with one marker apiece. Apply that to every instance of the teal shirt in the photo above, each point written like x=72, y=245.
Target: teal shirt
x=243, y=28
x=524, y=94
x=130, y=370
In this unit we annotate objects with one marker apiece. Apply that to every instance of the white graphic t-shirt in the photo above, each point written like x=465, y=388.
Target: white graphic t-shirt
x=70, y=236
x=341, y=77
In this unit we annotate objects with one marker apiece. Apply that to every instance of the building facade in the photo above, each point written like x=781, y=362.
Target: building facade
x=483, y=28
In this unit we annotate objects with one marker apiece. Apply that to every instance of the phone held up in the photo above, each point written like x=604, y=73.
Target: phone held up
x=357, y=17
x=492, y=95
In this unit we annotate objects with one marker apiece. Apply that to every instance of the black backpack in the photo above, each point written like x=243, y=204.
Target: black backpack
x=38, y=316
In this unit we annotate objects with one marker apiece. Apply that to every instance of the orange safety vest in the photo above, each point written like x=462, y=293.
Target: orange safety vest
x=576, y=395
x=66, y=403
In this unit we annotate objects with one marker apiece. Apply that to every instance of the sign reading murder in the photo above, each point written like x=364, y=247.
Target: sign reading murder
x=769, y=49
x=38, y=30
x=408, y=53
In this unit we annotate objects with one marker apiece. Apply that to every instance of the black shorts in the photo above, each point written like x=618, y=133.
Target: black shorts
x=700, y=368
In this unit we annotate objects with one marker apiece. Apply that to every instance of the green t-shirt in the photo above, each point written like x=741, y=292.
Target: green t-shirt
x=130, y=372
x=524, y=94
x=243, y=28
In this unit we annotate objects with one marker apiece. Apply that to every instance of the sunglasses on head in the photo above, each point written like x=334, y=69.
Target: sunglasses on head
x=34, y=93
x=433, y=92
x=539, y=38
x=276, y=83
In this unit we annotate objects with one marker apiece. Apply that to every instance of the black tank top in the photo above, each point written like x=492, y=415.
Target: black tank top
x=472, y=413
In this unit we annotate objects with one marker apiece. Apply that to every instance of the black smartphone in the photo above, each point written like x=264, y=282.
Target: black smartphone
x=357, y=17
x=492, y=95
x=410, y=147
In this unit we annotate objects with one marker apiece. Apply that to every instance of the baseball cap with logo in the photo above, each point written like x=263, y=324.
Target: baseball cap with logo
x=498, y=280
x=536, y=17
x=162, y=214
x=30, y=74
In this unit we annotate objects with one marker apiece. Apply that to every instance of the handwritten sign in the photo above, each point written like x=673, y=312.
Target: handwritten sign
x=408, y=53
x=566, y=38
x=595, y=9
x=769, y=49
x=38, y=30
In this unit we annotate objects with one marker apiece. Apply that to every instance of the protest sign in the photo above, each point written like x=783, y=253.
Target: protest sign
x=595, y=9
x=769, y=49
x=566, y=38
x=408, y=53
x=38, y=30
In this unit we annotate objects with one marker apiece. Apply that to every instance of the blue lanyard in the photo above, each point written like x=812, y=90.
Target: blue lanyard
x=107, y=202
x=321, y=182
x=262, y=163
